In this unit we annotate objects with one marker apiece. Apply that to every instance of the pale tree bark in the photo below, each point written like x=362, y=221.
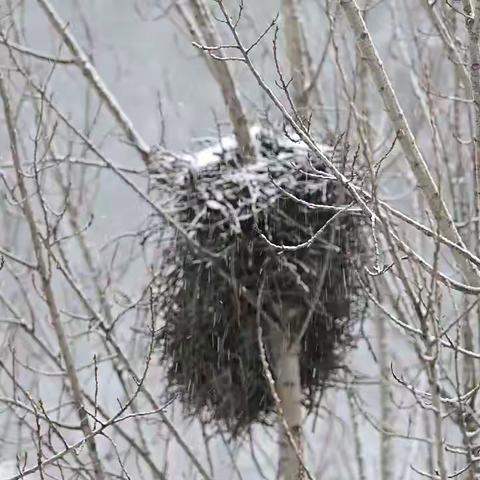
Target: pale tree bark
x=472, y=22
x=473, y=28
x=386, y=450
x=295, y=53
x=222, y=74
x=286, y=393
x=287, y=369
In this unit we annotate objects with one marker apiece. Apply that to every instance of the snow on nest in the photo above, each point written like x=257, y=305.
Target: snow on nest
x=212, y=154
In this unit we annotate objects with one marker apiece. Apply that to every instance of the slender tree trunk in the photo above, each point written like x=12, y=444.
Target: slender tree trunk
x=386, y=452
x=287, y=369
x=295, y=53
x=223, y=75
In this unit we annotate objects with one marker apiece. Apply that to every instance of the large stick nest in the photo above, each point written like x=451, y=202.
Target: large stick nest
x=209, y=336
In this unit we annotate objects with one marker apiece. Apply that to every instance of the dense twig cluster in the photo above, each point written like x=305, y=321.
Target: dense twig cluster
x=254, y=219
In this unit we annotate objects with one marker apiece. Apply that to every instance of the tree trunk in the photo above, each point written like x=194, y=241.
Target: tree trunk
x=295, y=54
x=223, y=75
x=287, y=369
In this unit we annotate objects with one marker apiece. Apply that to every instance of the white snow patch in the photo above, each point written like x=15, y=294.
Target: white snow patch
x=209, y=156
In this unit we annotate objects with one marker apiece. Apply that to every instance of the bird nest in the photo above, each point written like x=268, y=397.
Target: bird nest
x=246, y=221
